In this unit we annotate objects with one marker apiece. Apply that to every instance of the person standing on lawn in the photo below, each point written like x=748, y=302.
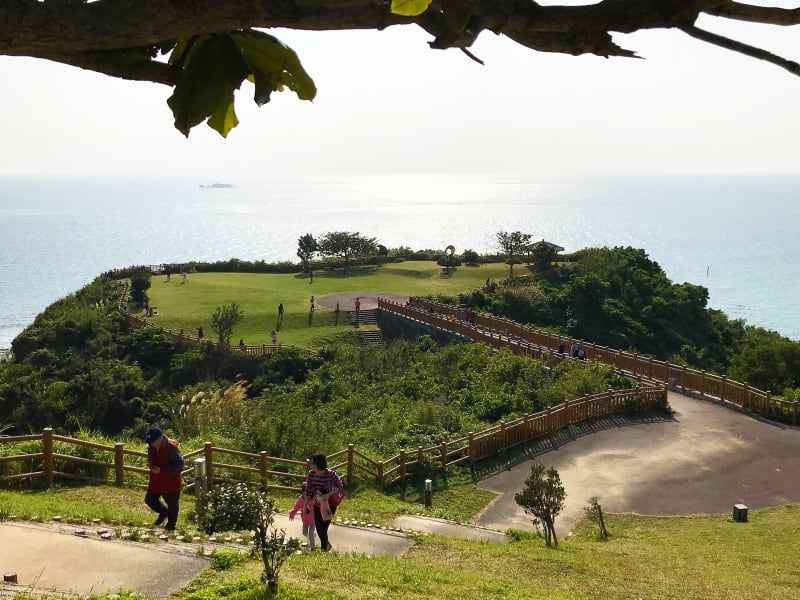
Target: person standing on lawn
x=166, y=464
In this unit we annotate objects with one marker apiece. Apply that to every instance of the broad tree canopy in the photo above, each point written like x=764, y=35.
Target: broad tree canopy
x=205, y=49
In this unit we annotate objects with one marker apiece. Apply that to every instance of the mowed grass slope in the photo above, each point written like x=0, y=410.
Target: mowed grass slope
x=707, y=557
x=190, y=305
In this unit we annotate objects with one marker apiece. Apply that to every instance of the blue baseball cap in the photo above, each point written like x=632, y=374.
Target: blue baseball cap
x=152, y=435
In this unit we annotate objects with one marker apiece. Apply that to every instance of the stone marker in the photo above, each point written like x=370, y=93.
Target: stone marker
x=10, y=578
x=740, y=513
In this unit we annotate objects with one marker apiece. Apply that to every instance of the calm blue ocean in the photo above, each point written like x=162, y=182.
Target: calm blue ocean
x=736, y=236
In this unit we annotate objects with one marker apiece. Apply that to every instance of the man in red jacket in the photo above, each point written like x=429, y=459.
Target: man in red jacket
x=166, y=464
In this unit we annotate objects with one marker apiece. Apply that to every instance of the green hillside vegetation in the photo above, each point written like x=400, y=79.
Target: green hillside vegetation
x=80, y=366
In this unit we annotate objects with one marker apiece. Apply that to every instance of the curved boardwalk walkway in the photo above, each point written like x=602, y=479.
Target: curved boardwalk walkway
x=703, y=459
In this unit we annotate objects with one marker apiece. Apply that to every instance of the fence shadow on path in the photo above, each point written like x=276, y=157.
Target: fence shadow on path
x=561, y=437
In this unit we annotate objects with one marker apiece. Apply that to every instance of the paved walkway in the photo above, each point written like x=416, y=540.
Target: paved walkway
x=347, y=300
x=51, y=559
x=704, y=459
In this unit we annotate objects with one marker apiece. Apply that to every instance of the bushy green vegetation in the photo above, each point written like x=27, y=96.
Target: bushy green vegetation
x=408, y=395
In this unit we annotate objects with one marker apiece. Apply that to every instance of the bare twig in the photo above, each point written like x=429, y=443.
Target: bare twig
x=742, y=48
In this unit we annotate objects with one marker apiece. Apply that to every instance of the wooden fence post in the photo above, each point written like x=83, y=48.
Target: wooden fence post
x=503, y=434
x=420, y=457
x=208, y=452
x=380, y=475
x=443, y=450
x=470, y=448
x=350, y=457
x=47, y=451
x=402, y=465
x=769, y=403
x=262, y=465
x=119, y=465
x=746, y=399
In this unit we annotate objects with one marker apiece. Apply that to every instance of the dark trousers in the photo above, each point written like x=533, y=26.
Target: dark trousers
x=322, y=526
x=153, y=500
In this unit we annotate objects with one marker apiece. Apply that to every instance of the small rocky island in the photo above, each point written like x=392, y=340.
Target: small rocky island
x=217, y=185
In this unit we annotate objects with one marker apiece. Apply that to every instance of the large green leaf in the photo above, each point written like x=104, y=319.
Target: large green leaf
x=410, y=8
x=214, y=66
x=274, y=65
x=213, y=69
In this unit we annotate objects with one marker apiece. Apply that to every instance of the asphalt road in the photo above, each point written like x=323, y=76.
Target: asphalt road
x=704, y=459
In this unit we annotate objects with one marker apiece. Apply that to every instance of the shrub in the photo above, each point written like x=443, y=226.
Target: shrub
x=470, y=257
x=225, y=559
x=237, y=507
x=139, y=286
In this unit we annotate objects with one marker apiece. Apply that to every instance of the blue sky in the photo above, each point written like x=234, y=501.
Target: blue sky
x=387, y=103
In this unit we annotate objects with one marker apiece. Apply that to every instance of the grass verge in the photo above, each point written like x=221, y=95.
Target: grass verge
x=666, y=558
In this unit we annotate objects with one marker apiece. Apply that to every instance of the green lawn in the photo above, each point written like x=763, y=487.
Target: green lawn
x=705, y=557
x=190, y=305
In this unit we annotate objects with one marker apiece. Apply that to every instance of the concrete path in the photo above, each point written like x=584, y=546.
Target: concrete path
x=347, y=300
x=50, y=559
x=371, y=541
x=704, y=459
x=448, y=528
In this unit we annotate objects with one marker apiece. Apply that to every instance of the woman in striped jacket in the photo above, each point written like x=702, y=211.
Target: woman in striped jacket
x=321, y=484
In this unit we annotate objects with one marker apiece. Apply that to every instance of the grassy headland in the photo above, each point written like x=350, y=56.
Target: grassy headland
x=189, y=305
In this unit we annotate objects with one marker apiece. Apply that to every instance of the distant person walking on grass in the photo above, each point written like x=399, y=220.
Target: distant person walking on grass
x=183, y=276
x=274, y=337
x=200, y=332
x=280, y=312
x=312, y=303
x=165, y=463
x=358, y=307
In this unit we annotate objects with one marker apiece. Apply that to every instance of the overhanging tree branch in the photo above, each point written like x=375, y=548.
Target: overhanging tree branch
x=766, y=15
x=124, y=38
x=729, y=44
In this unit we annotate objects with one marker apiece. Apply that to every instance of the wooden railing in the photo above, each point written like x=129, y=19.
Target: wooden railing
x=258, y=351
x=271, y=473
x=501, y=332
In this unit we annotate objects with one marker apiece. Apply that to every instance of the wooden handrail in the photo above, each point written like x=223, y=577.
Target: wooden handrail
x=443, y=316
